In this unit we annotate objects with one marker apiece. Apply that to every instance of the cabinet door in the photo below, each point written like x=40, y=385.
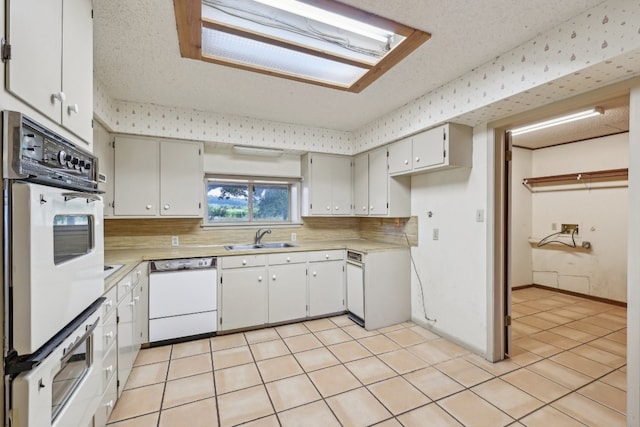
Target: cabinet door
x=400, y=156
x=103, y=149
x=243, y=296
x=361, y=184
x=321, y=178
x=35, y=71
x=136, y=177
x=428, y=148
x=326, y=287
x=341, y=190
x=141, y=298
x=77, y=71
x=126, y=313
x=378, y=182
x=287, y=292
x=181, y=178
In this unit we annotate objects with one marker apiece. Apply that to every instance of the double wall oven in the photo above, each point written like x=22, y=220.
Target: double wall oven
x=53, y=277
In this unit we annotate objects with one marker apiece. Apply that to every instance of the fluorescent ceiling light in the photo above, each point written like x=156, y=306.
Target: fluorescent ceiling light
x=330, y=18
x=325, y=43
x=558, y=121
x=257, y=151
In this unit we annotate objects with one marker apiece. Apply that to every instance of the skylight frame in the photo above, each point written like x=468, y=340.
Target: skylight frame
x=190, y=24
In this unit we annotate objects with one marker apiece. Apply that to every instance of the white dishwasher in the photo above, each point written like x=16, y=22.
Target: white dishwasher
x=182, y=298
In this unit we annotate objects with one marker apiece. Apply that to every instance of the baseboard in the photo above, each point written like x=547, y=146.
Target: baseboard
x=572, y=293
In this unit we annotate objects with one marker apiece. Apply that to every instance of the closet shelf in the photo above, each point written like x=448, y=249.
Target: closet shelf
x=571, y=178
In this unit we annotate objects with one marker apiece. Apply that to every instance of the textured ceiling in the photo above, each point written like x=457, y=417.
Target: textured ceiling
x=137, y=59
x=614, y=120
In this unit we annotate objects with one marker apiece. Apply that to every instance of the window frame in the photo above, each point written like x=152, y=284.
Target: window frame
x=293, y=187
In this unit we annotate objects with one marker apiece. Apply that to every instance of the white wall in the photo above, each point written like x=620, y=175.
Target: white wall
x=600, y=212
x=521, y=217
x=453, y=268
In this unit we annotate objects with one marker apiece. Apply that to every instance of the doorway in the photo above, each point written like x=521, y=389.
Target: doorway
x=555, y=231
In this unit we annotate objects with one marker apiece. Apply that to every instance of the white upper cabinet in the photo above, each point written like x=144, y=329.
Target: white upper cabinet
x=158, y=178
x=51, y=65
x=443, y=147
x=326, y=185
x=375, y=192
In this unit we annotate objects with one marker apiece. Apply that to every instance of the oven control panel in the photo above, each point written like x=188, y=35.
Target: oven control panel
x=40, y=155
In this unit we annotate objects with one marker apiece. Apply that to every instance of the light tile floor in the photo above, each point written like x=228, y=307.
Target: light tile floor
x=567, y=368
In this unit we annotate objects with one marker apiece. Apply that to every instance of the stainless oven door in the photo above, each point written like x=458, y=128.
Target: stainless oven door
x=64, y=390
x=57, y=257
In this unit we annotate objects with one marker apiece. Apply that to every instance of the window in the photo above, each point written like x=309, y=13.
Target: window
x=238, y=201
x=321, y=42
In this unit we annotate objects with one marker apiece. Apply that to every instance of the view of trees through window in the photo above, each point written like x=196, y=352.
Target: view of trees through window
x=247, y=202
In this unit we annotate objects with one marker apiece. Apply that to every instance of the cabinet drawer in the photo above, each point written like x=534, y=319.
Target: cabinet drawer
x=109, y=303
x=331, y=255
x=287, y=258
x=109, y=367
x=243, y=261
x=109, y=332
x=106, y=404
x=124, y=286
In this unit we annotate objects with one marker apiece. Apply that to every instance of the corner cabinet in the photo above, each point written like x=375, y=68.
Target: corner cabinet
x=443, y=147
x=51, y=61
x=375, y=193
x=157, y=178
x=326, y=185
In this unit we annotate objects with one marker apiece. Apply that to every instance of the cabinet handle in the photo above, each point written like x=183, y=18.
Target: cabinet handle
x=259, y=278
x=288, y=259
x=73, y=109
x=326, y=256
x=417, y=159
x=132, y=303
x=59, y=96
x=314, y=274
x=406, y=162
x=148, y=207
x=109, y=404
x=364, y=208
x=108, y=303
x=328, y=208
x=274, y=277
x=167, y=207
x=109, y=335
x=370, y=208
x=337, y=207
x=136, y=299
x=244, y=262
x=109, y=369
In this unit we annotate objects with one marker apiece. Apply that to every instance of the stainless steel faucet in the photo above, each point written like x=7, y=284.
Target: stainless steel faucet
x=260, y=233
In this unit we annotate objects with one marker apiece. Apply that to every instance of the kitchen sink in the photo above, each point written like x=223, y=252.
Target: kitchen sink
x=252, y=246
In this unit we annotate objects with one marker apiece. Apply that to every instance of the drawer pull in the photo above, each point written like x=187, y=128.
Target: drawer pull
x=109, y=369
x=244, y=262
x=288, y=259
x=109, y=335
x=109, y=404
x=108, y=303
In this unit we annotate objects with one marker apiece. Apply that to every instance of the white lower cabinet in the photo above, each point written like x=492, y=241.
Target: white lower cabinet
x=326, y=287
x=243, y=293
x=126, y=346
x=281, y=287
x=287, y=292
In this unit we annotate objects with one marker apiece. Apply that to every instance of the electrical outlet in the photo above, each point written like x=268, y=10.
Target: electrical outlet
x=554, y=226
x=436, y=234
x=175, y=241
x=569, y=229
x=294, y=236
x=480, y=215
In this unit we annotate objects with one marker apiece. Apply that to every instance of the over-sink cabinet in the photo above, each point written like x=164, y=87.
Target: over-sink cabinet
x=273, y=288
x=51, y=61
x=157, y=178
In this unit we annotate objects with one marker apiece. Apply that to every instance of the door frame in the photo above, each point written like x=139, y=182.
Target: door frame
x=499, y=292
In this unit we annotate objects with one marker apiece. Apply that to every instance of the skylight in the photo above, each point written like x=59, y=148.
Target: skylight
x=320, y=42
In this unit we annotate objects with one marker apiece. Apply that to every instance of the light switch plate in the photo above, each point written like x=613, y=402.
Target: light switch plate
x=436, y=234
x=480, y=215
